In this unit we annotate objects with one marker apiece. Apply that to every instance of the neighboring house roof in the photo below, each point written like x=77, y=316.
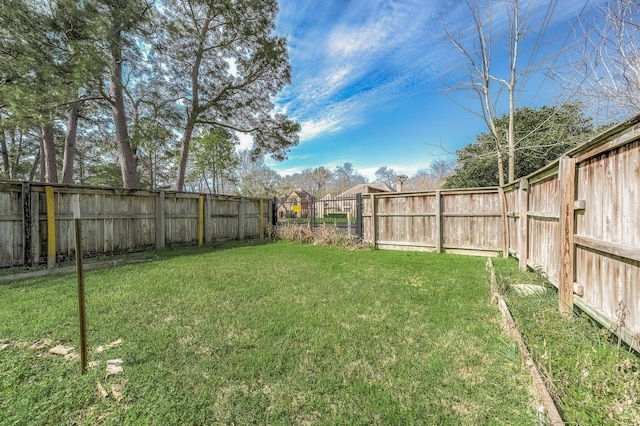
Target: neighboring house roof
x=367, y=188
x=299, y=193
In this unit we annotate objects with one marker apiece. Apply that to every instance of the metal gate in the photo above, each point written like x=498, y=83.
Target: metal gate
x=341, y=213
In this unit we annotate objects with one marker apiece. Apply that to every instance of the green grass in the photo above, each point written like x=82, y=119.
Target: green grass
x=595, y=381
x=276, y=333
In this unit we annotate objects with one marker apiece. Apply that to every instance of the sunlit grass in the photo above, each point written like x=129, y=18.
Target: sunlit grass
x=271, y=334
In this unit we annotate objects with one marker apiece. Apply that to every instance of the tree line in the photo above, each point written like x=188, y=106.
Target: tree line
x=237, y=173
x=116, y=91
x=148, y=94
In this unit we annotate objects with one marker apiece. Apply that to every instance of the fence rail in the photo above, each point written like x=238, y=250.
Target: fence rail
x=36, y=220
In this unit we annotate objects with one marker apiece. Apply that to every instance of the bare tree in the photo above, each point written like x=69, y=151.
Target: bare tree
x=609, y=66
x=486, y=82
x=387, y=175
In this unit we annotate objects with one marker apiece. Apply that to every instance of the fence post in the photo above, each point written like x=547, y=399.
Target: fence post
x=567, y=176
x=523, y=224
x=26, y=224
x=373, y=220
x=77, y=221
x=160, y=231
x=438, y=229
x=359, y=227
x=261, y=225
x=51, y=227
x=274, y=212
x=241, y=219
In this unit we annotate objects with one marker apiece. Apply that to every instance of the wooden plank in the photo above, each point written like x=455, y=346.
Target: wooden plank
x=615, y=249
x=26, y=224
x=426, y=214
x=438, y=228
x=35, y=228
x=200, y=220
x=504, y=224
x=374, y=220
x=208, y=223
x=567, y=177
x=523, y=225
x=541, y=392
x=51, y=227
x=546, y=172
x=241, y=218
x=160, y=225
x=261, y=225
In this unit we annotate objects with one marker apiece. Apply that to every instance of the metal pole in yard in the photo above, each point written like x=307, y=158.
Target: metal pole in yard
x=80, y=272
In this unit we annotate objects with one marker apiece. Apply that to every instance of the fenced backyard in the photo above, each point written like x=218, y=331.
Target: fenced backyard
x=238, y=335
x=577, y=221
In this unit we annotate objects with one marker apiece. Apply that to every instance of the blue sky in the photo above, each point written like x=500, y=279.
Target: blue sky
x=368, y=79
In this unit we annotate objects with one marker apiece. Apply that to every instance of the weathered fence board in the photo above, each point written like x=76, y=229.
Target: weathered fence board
x=11, y=242
x=607, y=227
x=115, y=220
x=448, y=220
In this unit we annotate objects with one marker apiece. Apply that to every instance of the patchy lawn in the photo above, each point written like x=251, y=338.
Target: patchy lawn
x=276, y=333
x=593, y=380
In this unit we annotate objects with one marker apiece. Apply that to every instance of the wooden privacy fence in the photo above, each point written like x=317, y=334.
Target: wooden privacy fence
x=36, y=220
x=577, y=221
x=455, y=221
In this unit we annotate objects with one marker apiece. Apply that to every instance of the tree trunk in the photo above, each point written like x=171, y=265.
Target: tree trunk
x=49, y=157
x=192, y=115
x=500, y=168
x=184, y=152
x=43, y=170
x=5, y=155
x=34, y=167
x=16, y=147
x=70, y=143
x=127, y=161
x=511, y=137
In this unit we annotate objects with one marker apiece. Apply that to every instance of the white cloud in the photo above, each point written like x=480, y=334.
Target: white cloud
x=355, y=63
x=352, y=57
x=313, y=128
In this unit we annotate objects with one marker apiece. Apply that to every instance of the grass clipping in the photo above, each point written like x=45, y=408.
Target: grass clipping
x=323, y=235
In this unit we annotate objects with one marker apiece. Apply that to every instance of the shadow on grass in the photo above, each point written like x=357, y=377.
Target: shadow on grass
x=17, y=277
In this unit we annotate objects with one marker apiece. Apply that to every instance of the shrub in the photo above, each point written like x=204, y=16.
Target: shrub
x=320, y=236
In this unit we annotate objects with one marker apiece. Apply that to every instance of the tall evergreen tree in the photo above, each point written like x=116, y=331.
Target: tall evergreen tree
x=225, y=65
